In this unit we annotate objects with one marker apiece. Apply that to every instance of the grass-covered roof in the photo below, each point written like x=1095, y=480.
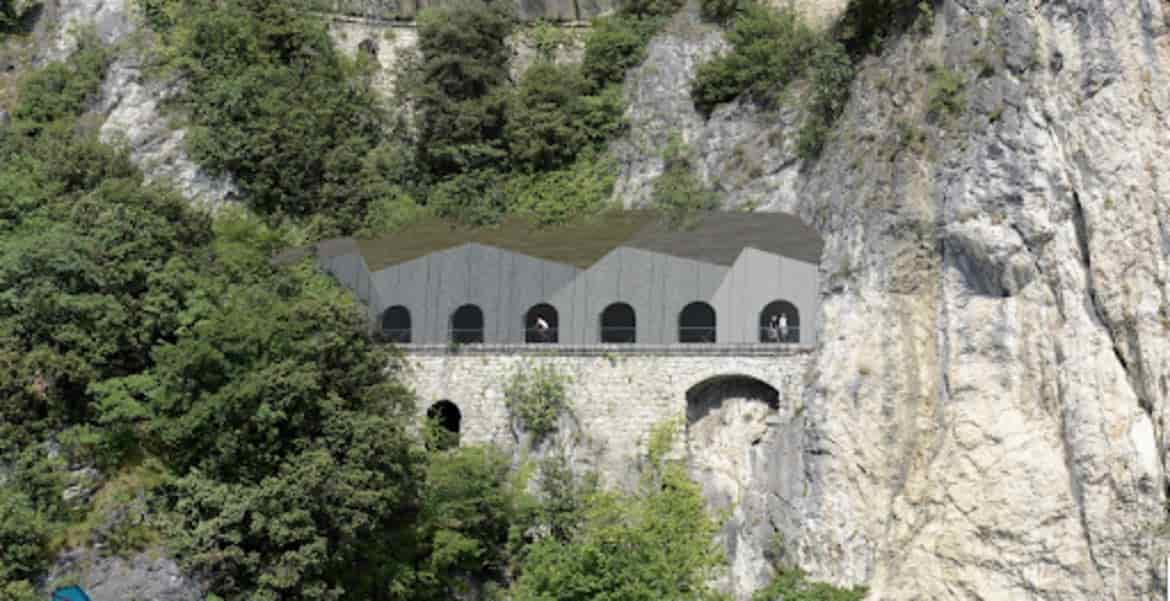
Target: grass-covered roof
x=714, y=237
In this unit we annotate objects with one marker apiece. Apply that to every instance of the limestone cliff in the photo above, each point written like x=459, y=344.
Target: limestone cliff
x=986, y=415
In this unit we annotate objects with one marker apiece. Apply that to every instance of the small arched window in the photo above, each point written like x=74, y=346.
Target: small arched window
x=444, y=420
x=396, y=324
x=540, y=324
x=618, y=324
x=467, y=325
x=780, y=322
x=369, y=47
x=696, y=323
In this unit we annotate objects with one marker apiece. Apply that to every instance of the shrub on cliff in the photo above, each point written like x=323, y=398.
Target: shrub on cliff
x=615, y=44
x=770, y=48
x=678, y=192
x=536, y=397
x=657, y=543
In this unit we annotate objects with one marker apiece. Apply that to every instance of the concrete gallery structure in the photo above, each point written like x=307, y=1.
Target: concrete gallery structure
x=620, y=278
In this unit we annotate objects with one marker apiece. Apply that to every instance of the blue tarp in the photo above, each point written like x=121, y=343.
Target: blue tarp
x=70, y=593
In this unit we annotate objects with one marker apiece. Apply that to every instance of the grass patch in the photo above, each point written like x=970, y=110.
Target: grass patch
x=121, y=517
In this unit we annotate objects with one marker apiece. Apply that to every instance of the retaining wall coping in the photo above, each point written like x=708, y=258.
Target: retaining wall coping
x=695, y=350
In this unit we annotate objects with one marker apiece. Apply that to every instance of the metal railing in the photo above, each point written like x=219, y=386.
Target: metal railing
x=540, y=336
x=395, y=335
x=619, y=335
x=724, y=349
x=696, y=335
x=466, y=335
x=788, y=335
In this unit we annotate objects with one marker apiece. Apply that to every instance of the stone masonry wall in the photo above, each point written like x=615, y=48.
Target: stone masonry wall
x=616, y=397
x=744, y=442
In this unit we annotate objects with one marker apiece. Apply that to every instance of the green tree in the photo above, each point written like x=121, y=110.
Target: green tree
x=457, y=87
x=655, y=544
x=545, y=127
x=275, y=105
x=468, y=508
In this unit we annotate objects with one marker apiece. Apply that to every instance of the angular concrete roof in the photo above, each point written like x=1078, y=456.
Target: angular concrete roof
x=716, y=237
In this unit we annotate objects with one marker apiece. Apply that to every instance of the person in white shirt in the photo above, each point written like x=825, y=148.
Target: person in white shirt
x=542, y=327
x=783, y=327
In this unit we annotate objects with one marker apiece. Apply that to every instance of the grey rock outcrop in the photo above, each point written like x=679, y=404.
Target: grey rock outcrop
x=130, y=104
x=149, y=576
x=62, y=20
x=986, y=415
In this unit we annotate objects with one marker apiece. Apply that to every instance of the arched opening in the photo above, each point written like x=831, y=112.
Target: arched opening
x=369, y=47
x=540, y=324
x=696, y=323
x=396, y=324
x=444, y=421
x=780, y=322
x=467, y=325
x=734, y=447
x=618, y=324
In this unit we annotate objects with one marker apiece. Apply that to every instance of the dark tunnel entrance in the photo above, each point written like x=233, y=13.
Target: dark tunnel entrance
x=444, y=421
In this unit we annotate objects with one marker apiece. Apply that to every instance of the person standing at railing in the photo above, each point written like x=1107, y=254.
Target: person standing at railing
x=774, y=328
x=782, y=326
x=542, y=327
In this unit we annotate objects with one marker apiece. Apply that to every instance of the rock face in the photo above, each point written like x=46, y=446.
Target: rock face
x=130, y=104
x=986, y=415
x=61, y=20
x=733, y=427
x=145, y=577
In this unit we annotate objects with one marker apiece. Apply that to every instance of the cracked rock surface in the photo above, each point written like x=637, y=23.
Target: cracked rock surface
x=986, y=415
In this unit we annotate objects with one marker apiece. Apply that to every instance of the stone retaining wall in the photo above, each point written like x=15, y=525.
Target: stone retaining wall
x=616, y=397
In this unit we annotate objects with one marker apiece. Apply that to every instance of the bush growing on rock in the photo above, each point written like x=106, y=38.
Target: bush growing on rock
x=678, y=192
x=616, y=44
x=537, y=397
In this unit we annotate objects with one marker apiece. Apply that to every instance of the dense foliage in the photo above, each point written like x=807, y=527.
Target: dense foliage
x=774, y=47
x=656, y=543
x=14, y=15
x=791, y=585
x=274, y=104
x=487, y=147
x=129, y=325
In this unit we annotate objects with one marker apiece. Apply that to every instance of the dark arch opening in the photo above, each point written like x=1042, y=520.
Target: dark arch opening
x=396, y=324
x=710, y=394
x=444, y=421
x=467, y=325
x=696, y=323
x=780, y=322
x=540, y=324
x=618, y=324
x=370, y=47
